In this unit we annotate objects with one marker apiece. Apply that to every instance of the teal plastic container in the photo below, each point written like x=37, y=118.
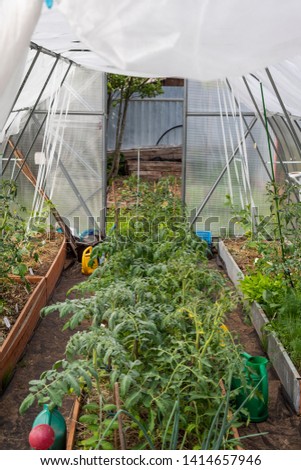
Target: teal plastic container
x=56, y=420
x=256, y=375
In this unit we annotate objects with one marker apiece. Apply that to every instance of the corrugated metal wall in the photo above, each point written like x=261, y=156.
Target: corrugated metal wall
x=148, y=119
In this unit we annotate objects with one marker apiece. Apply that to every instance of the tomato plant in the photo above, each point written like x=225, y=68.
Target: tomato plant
x=156, y=313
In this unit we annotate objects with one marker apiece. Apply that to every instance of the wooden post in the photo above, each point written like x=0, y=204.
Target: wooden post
x=117, y=401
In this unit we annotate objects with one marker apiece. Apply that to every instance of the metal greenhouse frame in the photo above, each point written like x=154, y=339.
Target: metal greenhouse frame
x=68, y=123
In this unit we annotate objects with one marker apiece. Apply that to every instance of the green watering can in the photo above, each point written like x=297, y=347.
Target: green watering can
x=49, y=430
x=255, y=370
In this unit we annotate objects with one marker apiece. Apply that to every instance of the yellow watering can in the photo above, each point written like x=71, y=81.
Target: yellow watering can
x=86, y=269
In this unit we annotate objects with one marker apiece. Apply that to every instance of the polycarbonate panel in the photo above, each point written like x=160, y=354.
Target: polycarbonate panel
x=31, y=142
x=204, y=97
x=209, y=138
x=85, y=88
x=74, y=147
x=44, y=80
x=287, y=146
x=75, y=178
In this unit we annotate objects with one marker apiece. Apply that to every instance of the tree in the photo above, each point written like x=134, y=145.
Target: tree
x=121, y=89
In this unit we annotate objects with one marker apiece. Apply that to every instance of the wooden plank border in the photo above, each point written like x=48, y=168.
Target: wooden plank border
x=285, y=369
x=15, y=343
x=21, y=332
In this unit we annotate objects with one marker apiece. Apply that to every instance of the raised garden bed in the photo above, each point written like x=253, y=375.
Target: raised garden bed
x=23, y=325
x=285, y=369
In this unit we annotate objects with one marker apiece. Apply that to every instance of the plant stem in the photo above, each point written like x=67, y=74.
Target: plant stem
x=276, y=197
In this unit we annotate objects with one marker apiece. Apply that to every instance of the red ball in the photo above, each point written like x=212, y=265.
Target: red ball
x=41, y=437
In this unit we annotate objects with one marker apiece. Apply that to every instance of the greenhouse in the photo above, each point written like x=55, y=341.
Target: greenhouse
x=150, y=209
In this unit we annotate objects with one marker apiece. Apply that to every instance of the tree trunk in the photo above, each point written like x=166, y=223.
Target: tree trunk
x=123, y=107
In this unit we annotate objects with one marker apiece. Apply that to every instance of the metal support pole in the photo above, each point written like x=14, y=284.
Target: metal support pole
x=44, y=120
x=214, y=186
x=87, y=199
x=26, y=78
x=289, y=122
x=184, y=147
x=263, y=123
x=75, y=190
x=251, y=135
x=32, y=111
x=274, y=124
x=46, y=51
x=105, y=118
x=70, y=113
x=217, y=114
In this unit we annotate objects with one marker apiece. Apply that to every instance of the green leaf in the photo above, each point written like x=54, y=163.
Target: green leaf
x=91, y=406
x=90, y=442
x=86, y=377
x=133, y=399
x=89, y=419
x=43, y=400
x=109, y=407
x=125, y=385
x=37, y=382
x=55, y=396
x=106, y=445
x=22, y=269
x=57, y=364
x=27, y=403
x=73, y=384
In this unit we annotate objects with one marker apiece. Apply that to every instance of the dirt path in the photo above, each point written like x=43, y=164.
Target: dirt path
x=46, y=346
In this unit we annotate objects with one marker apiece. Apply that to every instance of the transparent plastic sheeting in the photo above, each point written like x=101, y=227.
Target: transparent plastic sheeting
x=39, y=75
x=286, y=76
x=74, y=148
x=210, y=141
x=18, y=20
x=202, y=40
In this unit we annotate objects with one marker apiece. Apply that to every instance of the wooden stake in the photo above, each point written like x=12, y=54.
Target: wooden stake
x=117, y=401
x=30, y=176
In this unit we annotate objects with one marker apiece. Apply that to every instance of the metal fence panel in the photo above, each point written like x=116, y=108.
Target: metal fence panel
x=149, y=119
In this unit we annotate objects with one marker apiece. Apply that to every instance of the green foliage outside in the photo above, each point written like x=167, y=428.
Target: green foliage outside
x=155, y=312
x=120, y=90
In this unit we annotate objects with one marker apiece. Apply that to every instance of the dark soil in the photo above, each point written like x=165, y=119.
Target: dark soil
x=46, y=248
x=14, y=297
x=48, y=345
x=244, y=255
x=14, y=294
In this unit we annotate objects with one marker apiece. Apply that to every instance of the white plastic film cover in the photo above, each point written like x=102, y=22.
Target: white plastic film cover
x=18, y=19
x=204, y=39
